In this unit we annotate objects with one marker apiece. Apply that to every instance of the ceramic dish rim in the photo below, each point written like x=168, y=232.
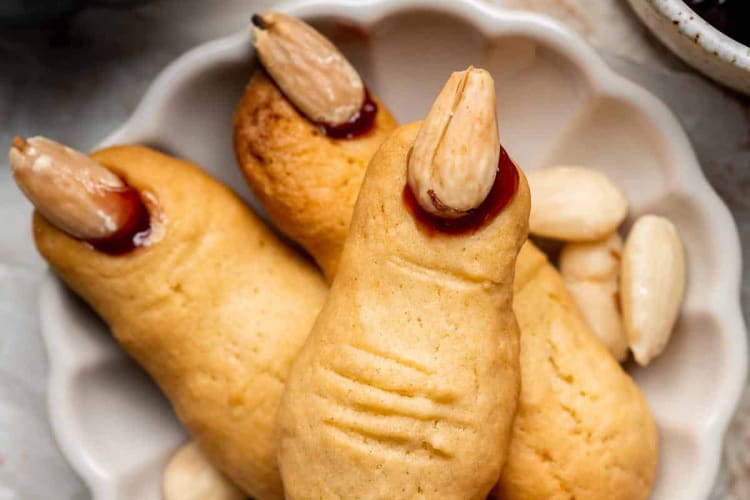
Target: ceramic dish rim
x=490, y=21
x=690, y=24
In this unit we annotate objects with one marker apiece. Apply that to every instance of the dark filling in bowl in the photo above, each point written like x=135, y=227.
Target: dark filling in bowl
x=359, y=124
x=731, y=17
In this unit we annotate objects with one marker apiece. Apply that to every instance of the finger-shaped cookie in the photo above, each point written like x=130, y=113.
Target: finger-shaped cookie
x=636, y=463
x=583, y=429
x=304, y=131
x=192, y=284
x=407, y=385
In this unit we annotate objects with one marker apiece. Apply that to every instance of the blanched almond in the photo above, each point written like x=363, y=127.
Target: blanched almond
x=574, y=204
x=190, y=476
x=652, y=285
x=454, y=160
x=68, y=188
x=592, y=274
x=309, y=69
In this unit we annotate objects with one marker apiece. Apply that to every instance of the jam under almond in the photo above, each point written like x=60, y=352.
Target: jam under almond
x=503, y=189
x=133, y=232
x=359, y=124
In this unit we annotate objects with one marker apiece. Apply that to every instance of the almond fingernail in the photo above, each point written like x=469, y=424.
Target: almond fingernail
x=454, y=160
x=71, y=191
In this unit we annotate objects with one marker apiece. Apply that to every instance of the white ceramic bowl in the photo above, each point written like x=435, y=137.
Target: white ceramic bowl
x=558, y=103
x=696, y=42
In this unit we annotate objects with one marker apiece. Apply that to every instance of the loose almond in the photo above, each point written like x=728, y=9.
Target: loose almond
x=652, y=285
x=592, y=274
x=68, y=188
x=190, y=476
x=454, y=160
x=574, y=204
x=309, y=69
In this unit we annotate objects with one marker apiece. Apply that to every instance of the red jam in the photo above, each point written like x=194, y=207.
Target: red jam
x=133, y=233
x=359, y=124
x=503, y=190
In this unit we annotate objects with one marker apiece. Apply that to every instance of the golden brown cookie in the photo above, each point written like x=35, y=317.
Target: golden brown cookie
x=308, y=182
x=583, y=429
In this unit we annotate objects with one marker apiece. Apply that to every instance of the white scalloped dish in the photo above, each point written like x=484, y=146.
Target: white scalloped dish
x=558, y=103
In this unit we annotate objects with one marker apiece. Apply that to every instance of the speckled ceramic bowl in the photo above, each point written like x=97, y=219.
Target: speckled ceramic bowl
x=696, y=42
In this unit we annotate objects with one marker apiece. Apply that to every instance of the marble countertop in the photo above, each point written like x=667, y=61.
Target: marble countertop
x=78, y=81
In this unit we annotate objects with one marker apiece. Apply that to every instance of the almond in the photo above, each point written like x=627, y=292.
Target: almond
x=592, y=274
x=308, y=68
x=574, y=204
x=652, y=285
x=190, y=476
x=68, y=188
x=454, y=160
